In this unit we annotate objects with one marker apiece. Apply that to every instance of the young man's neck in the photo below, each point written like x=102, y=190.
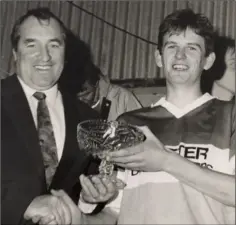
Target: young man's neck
x=181, y=97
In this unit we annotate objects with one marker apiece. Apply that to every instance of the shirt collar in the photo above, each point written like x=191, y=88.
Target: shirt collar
x=50, y=93
x=177, y=112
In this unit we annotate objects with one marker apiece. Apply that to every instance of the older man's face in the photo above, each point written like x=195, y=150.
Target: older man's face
x=40, y=53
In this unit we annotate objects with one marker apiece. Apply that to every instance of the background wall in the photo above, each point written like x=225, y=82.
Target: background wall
x=122, y=34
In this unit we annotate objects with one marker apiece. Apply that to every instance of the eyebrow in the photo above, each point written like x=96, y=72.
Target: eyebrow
x=169, y=42
x=29, y=40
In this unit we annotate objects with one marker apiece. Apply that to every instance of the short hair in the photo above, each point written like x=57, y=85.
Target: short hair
x=222, y=45
x=39, y=13
x=217, y=71
x=180, y=20
x=92, y=73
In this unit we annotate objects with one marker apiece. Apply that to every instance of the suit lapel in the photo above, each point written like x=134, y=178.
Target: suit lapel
x=16, y=104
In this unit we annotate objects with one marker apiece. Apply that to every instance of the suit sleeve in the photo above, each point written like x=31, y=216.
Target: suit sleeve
x=16, y=192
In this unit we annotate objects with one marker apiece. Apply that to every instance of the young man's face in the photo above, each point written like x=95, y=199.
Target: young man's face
x=183, y=57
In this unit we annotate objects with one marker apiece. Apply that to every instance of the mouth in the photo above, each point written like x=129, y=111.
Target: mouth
x=43, y=68
x=180, y=67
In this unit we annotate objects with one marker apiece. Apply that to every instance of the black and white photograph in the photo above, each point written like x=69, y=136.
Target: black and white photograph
x=118, y=112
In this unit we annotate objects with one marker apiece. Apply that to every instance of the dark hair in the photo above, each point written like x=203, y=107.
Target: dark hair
x=222, y=45
x=78, y=57
x=180, y=20
x=92, y=73
x=40, y=14
x=216, y=72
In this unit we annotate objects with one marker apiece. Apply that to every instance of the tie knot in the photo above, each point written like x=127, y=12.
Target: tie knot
x=39, y=95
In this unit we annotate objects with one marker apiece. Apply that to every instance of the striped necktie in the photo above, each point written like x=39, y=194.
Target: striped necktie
x=46, y=138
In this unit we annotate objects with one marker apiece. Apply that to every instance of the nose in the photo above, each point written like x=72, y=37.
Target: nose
x=180, y=53
x=45, y=54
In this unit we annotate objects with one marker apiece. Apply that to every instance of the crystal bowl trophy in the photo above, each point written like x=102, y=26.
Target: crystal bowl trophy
x=99, y=137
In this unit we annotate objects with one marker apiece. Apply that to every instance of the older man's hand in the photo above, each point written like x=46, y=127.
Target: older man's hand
x=96, y=189
x=48, y=208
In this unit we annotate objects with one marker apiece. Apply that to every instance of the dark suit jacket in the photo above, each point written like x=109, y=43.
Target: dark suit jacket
x=21, y=161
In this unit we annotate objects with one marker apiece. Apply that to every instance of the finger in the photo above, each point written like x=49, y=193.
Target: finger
x=58, y=214
x=132, y=166
x=85, y=190
x=55, y=208
x=46, y=220
x=120, y=184
x=99, y=184
x=67, y=217
x=27, y=215
x=57, y=193
x=90, y=187
x=36, y=218
x=126, y=152
x=66, y=198
x=127, y=159
x=58, y=209
x=75, y=212
x=54, y=222
x=109, y=184
x=63, y=211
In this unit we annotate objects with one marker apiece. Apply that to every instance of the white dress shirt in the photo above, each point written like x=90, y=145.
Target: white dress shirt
x=56, y=111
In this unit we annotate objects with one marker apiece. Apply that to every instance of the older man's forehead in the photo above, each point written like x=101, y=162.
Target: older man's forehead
x=32, y=23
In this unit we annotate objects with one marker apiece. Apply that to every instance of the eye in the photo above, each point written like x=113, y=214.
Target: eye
x=55, y=45
x=30, y=45
x=192, y=48
x=171, y=46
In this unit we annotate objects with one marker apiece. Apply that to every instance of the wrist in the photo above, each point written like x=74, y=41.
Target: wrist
x=77, y=217
x=168, y=157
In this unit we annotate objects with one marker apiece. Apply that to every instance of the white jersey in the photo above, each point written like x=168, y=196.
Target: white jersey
x=203, y=133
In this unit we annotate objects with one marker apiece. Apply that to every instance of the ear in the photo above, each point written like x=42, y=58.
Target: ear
x=209, y=61
x=14, y=54
x=158, y=58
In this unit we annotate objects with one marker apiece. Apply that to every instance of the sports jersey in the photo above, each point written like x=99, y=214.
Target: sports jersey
x=202, y=132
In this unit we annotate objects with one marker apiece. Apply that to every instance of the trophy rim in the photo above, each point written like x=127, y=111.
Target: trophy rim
x=97, y=149
x=106, y=121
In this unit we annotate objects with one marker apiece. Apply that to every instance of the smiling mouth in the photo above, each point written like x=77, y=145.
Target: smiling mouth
x=180, y=67
x=43, y=68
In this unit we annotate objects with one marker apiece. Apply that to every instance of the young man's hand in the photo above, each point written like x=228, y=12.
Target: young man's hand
x=149, y=156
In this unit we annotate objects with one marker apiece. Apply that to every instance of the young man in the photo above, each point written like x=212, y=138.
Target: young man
x=189, y=154
x=183, y=172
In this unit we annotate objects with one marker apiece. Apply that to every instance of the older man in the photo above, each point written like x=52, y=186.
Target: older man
x=38, y=140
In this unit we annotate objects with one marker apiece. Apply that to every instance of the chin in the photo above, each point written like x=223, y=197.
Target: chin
x=179, y=79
